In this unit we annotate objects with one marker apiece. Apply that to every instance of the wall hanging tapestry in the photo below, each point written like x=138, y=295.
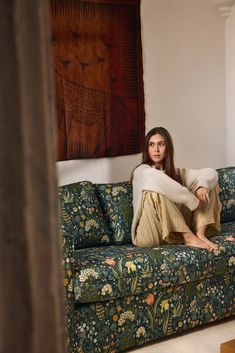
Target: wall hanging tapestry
x=97, y=60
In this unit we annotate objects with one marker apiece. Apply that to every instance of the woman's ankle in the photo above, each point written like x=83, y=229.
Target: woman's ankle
x=201, y=232
x=188, y=235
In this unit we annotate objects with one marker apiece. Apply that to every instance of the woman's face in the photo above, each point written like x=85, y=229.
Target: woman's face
x=157, y=150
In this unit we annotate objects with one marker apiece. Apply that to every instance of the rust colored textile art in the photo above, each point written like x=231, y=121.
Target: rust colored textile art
x=97, y=59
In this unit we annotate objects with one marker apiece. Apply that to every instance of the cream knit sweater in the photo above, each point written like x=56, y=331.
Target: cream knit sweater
x=149, y=178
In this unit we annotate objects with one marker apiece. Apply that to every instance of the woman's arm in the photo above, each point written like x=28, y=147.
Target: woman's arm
x=151, y=179
x=195, y=178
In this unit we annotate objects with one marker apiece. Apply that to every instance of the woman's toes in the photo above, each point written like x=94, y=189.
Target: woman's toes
x=212, y=246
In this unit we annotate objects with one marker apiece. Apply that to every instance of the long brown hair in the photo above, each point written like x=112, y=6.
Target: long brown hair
x=168, y=163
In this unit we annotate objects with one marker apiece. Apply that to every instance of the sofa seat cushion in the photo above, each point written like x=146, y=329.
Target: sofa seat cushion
x=110, y=272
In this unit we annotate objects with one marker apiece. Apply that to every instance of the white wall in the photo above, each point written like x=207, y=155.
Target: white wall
x=99, y=170
x=230, y=86
x=185, y=77
x=184, y=81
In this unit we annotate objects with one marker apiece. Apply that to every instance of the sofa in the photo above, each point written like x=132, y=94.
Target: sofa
x=118, y=296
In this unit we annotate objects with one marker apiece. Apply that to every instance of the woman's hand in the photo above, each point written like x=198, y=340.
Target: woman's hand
x=203, y=196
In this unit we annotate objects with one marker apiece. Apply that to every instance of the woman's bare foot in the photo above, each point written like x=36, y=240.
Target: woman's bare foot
x=212, y=246
x=201, y=231
x=191, y=239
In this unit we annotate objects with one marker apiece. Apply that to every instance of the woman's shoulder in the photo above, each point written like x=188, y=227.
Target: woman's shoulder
x=143, y=166
x=146, y=170
x=139, y=169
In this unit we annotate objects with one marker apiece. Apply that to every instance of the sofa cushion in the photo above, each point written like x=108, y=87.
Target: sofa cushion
x=227, y=193
x=106, y=273
x=81, y=216
x=116, y=204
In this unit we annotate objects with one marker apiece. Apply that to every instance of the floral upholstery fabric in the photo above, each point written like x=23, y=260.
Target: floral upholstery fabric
x=105, y=273
x=81, y=216
x=112, y=326
x=116, y=325
x=68, y=269
x=116, y=203
x=227, y=193
x=119, y=296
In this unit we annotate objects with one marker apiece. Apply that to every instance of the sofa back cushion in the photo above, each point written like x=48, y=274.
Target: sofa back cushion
x=116, y=203
x=81, y=216
x=227, y=193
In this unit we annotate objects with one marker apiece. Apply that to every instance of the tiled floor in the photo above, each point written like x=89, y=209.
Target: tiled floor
x=207, y=339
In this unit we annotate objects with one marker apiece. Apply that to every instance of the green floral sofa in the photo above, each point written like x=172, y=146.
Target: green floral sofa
x=119, y=296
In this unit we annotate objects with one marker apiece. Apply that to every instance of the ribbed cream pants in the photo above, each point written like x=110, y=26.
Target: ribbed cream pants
x=163, y=221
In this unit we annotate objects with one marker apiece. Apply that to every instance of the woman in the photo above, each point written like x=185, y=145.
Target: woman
x=172, y=205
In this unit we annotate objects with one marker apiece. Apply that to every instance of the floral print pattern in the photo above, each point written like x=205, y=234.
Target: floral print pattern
x=118, y=271
x=116, y=203
x=227, y=193
x=119, y=296
x=81, y=216
x=115, y=325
